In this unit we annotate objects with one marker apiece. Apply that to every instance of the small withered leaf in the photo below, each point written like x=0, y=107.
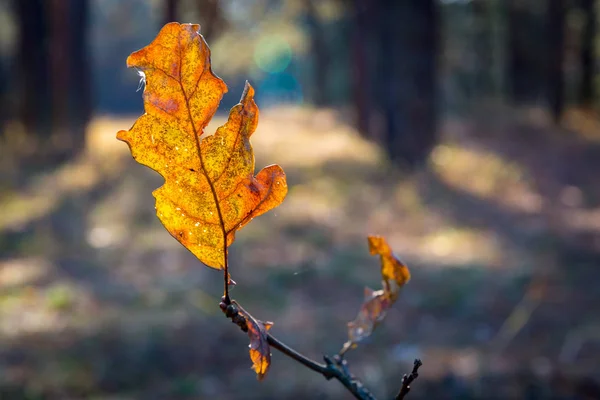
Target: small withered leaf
x=376, y=304
x=260, y=351
x=392, y=269
x=210, y=189
x=373, y=310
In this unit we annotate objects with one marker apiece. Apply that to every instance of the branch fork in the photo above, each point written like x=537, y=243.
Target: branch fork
x=335, y=367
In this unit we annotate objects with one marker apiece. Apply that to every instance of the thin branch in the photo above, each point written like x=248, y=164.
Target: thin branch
x=347, y=346
x=334, y=368
x=302, y=359
x=342, y=374
x=407, y=380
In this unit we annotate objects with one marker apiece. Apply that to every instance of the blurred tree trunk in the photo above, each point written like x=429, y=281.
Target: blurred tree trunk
x=555, y=47
x=518, y=66
x=209, y=12
x=360, y=73
x=320, y=54
x=170, y=11
x=70, y=76
x=409, y=39
x=515, y=61
x=384, y=76
x=527, y=55
x=586, y=93
x=5, y=108
x=212, y=21
x=80, y=102
x=33, y=77
x=58, y=15
x=54, y=75
x=482, y=46
x=498, y=21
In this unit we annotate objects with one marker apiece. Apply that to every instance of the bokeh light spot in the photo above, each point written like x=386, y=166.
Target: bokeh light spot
x=272, y=54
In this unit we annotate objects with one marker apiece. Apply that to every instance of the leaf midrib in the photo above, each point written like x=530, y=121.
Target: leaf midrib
x=197, y=141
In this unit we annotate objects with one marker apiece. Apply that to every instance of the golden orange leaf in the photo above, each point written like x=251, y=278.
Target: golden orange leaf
x=392, y=269
x=210, y=190
x=260, y=351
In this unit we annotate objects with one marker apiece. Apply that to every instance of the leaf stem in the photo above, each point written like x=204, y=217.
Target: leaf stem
x=225, y=263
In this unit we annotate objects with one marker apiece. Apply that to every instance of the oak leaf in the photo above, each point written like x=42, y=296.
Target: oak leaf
x=210, y=190
x=260, y=351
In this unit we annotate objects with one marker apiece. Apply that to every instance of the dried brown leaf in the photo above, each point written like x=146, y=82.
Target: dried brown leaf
x=260, y=351
x=373, y=310
x=377, y=303
x=392, y=269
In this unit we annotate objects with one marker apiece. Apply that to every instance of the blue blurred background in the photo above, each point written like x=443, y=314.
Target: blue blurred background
x=464, y=131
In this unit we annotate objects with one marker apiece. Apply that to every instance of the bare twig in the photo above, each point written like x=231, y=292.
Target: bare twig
x=334, y=368
x=408, y=379
x=347, y=346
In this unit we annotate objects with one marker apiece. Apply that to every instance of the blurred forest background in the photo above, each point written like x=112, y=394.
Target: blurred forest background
x=465, y=131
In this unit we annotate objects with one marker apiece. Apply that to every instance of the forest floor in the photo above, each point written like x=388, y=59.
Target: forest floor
x=501, y=232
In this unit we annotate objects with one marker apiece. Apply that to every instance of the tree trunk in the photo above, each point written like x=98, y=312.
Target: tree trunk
x=482, y=46
x=498, y=21
x=409, y=53
x=386, y=96
x=70, y=77
x=527, y=50
x=53, y=75
x=588, y=55
x=212, y=20
x=320, y=54
x=555, y=51
x=60, y=71
x=80, y=102
x=5, y=109
x=33, y=77
x=360, y=73
x=517, y=62
x=170, y=11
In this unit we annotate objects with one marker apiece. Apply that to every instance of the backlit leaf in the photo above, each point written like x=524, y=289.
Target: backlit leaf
x=260, y=351
x=210, y=189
